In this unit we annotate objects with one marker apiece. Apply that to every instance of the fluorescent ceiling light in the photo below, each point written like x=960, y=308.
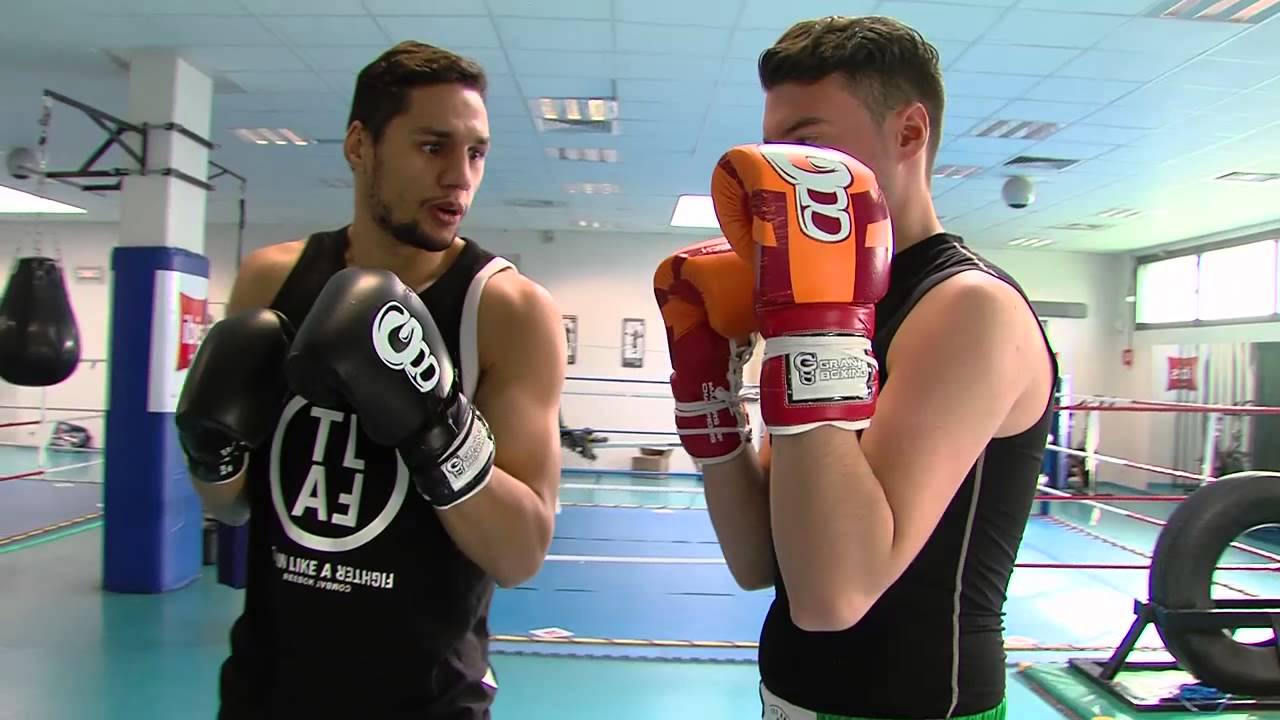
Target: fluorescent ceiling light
x=695, y=211
x=19, y=202
x=270, y=136
x=1030, y=242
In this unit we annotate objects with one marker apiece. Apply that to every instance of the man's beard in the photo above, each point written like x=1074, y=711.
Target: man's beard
x=409, y=232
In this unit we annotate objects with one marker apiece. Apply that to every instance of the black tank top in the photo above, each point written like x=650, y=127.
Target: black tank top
x=931, y=646
x=358, y=603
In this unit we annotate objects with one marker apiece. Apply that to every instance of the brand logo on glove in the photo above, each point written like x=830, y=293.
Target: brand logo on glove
x=397, y=338
x=828, y=377
x=822, y=190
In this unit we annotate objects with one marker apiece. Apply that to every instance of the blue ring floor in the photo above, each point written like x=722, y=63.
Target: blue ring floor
x=71, y=650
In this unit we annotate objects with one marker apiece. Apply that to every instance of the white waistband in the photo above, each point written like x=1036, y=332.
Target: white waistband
x=775, y=708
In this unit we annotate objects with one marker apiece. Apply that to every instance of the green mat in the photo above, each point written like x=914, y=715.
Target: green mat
x=1078, y=697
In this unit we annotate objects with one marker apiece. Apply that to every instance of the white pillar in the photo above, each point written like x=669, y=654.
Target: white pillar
x=157, y=209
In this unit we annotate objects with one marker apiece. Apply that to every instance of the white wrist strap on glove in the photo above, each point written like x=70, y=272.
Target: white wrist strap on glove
x=825, y=368
x=468, y=465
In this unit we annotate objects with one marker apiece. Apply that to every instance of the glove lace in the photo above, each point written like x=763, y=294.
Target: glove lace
x=724, y=398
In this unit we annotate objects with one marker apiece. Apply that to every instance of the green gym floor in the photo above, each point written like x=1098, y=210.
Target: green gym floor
x=70, y=650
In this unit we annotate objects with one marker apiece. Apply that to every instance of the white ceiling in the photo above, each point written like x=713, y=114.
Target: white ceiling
x=1153, y=108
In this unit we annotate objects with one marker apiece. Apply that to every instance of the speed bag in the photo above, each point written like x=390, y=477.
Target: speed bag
x=39, y=340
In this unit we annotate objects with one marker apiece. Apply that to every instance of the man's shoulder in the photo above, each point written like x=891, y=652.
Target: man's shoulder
x=509, y=295
x=263, y=271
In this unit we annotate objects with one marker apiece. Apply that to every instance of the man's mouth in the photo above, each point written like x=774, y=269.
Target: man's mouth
x=447, y=212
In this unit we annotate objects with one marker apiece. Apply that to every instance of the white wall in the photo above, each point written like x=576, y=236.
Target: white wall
x=601, y=278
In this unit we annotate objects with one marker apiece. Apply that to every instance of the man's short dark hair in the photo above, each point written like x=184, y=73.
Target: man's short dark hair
x=887, y=63
x=382, y=88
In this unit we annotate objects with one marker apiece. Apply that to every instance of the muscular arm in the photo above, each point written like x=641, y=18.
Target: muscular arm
x=259, y=279
x=848, y=516
x=506, y=527
x=737, y=493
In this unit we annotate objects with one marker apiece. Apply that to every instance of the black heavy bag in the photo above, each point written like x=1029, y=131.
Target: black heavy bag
x=39, y=341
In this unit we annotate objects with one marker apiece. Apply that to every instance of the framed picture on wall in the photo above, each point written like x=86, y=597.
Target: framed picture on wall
x=632, y=342
x=571, y=336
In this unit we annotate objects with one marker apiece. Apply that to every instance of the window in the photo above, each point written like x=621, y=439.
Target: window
x=1167, y=290
x=1238, y=282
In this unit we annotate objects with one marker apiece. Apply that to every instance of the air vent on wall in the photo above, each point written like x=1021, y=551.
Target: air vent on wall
x=1088, y=227
x=1244, y=12
x=1120, y=213
x=593, y=188
x=956, y=172
x=534, y=204
x=1041, y=163
x=1248, y=176
x=1030, y=242
x=270, y=136
x=1016, y=129
x=608, y=155
x=594, y=115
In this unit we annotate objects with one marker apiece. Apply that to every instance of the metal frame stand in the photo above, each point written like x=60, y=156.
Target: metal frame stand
x=1229, y=614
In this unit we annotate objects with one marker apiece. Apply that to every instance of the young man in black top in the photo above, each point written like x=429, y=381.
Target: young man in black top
x=889, y=503
x=381, y=406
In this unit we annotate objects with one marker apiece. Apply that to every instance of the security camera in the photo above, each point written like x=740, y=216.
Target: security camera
x=1018, y=192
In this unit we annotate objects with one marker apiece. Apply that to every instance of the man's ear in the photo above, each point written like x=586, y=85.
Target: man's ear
x=355, y=146
x=914, y=131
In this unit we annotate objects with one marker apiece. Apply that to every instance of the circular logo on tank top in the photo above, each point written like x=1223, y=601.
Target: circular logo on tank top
x=333, y=489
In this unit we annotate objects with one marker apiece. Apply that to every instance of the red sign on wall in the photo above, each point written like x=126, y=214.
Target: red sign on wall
x=1182, y=373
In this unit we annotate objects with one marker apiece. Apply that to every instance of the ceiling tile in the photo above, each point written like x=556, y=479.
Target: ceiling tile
x=750, y=43
x=1081, y=90
x=991, y=85
x=1135, y=116
x=537, y=34
x=988, y=145
x=1057, y=29
x=537, y=87
x=665, y=90
x=740, y=97
x=1230, y=74
x=1166, y=95
x=942, y=22
x=1055, y=147
x=1086, y=133
x=1115, y=65
x=1257, y=43
x=450, y=32
x=716, y=13
x=152, y=7
x=311, y=7
x=551, y=63
x=334, y=30
x=503, y=86
x=671, y=67
x=778, y=16
x=974, y=106
x=1118, y=7
x=270, y=82
x=578, y=9
x=430, y=7
x=1157, y=35
x=1060, y=112
x=646, y=38
x=639, y=110
x=201, y=30
x=1000, y=58
x=351, y=59
x=224, y=59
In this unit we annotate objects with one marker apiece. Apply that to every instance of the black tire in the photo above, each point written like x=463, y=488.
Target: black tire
x=1182, y=566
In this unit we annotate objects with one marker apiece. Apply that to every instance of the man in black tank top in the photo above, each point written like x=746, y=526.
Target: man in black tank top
x=888, y=515
x=381, y=406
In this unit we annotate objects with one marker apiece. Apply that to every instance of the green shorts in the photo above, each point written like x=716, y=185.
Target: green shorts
x=775, y=708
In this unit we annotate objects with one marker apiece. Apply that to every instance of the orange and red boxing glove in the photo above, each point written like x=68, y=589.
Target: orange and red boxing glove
x=804, y=260
x=704, y=294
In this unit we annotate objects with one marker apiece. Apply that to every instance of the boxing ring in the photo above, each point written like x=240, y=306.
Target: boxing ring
x=48, y=487
x=635, y=570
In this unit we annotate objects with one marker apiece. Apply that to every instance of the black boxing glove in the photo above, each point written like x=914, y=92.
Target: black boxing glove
x=233, y=394
x=370, y=345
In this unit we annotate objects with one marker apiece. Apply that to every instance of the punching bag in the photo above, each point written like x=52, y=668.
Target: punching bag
x=39, y=340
